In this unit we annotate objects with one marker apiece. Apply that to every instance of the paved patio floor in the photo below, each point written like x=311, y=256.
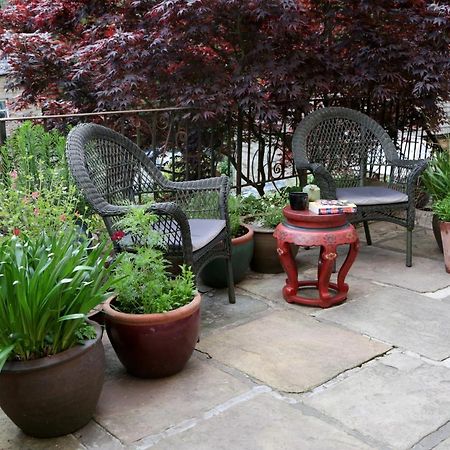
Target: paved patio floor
x=372, y=373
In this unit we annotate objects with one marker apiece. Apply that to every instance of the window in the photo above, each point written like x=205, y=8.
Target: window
x=3, y=109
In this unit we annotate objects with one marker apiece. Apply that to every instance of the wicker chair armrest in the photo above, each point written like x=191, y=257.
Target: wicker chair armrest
x=220, y=185
x=207, y=184
x=414, y=175
x=323, y=179
x=409, y=163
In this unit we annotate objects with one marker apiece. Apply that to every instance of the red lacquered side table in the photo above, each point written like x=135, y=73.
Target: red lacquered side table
x=307, y=229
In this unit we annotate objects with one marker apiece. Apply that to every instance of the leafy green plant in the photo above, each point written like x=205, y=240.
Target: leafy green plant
x=266, y=211
x=36, y=155
x=442, y=209
x=48, y=285
x=143, y=282
x=436, y=177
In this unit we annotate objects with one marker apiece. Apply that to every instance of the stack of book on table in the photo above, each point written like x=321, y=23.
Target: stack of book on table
x=332, y=207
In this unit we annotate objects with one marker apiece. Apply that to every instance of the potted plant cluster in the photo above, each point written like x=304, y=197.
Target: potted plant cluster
x=442, y=210
x=242, y=244
x=264, y=214
x=153, y=320
x=52, y=361
x=436, y=180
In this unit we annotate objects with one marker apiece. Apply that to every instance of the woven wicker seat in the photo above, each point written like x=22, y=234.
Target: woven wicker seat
x=353, y=158
x=114, y=174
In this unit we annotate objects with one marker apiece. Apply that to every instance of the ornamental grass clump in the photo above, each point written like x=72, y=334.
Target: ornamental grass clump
x=143, y=282
x=48, y=284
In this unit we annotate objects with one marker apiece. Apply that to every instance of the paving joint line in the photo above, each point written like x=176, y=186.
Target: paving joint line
x=151, y=440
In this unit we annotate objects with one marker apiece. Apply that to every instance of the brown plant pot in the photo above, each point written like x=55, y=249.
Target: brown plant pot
x=437, y=231
x=445, y=233
x=265, y=257
x=154, y=345
x=55, y=395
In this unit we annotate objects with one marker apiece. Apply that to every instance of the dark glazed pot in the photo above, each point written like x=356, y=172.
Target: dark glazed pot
x=55, y=395
x=437, y=231
x=265, y=257
x=154, y=345
x=214, y=274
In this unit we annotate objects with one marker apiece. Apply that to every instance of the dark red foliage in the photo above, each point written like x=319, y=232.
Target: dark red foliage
x=267, y=55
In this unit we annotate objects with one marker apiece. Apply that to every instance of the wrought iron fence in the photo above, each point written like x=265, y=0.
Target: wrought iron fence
x=254, y=153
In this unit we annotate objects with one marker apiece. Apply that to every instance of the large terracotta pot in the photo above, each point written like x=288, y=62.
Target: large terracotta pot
x=154, y=345
x=214, y=274
x=445, y=233
x=55, y=395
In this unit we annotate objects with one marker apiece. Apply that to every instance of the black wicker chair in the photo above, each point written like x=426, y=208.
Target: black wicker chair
x=353, y=158
x=114, y=174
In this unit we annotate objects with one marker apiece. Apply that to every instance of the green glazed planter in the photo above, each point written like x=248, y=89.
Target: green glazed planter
x=214, y=274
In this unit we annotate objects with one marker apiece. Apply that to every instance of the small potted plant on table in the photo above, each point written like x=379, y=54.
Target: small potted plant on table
x=214, y=273
x=52, y=360
x=153, y=320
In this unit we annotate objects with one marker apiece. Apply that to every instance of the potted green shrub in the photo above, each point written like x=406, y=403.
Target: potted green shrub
x=52, y=360
x=442, y=210
x=214, y=274
x=153, y=320
x=264, y=214
x=436, y=181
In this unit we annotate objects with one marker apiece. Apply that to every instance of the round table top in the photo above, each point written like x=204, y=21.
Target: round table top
x=308, y=219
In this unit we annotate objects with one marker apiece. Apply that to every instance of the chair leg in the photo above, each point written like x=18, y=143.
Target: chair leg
x=367, y=232
x=231, y=293
x=408, y=248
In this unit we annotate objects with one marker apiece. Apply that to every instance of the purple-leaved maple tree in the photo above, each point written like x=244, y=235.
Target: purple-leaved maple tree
x=222, y=55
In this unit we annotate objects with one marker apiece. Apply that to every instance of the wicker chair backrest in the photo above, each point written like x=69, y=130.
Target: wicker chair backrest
x=109, y=168
x=351, y=146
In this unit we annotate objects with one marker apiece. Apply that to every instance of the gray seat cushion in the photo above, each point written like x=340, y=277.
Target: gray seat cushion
x=203, y=231
x=371, y=195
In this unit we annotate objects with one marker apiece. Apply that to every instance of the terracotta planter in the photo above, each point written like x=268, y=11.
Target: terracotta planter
x=265, y=257
x=437, y=231
x=214, y=274
x=154, y=345
x=55, y=395
x=445, y=233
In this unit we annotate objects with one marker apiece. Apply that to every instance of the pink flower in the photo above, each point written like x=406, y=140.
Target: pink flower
x=117, y=235
x=13, y=174
x=62, y=217
x=36, y=211
x=16, y=232
x=35, y=195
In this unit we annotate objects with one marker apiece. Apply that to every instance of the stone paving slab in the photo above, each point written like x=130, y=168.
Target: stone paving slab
x=12, y=438
x=444, y=445
x=398, y=399
x=424, y=244
x=289, y=351
x=262, y=423
x=401, y=318
x=387, y=266
x=131, y=408
x=217, y=312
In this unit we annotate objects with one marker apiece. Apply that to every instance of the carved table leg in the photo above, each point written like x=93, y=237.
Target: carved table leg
x=327, y=257
x=290, y=267
x=351, y=255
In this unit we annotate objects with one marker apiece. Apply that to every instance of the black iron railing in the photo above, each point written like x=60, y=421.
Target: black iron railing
x=254, y=153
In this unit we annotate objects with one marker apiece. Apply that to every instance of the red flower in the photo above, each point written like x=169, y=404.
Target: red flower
x=118, y=235
x=16, y=232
